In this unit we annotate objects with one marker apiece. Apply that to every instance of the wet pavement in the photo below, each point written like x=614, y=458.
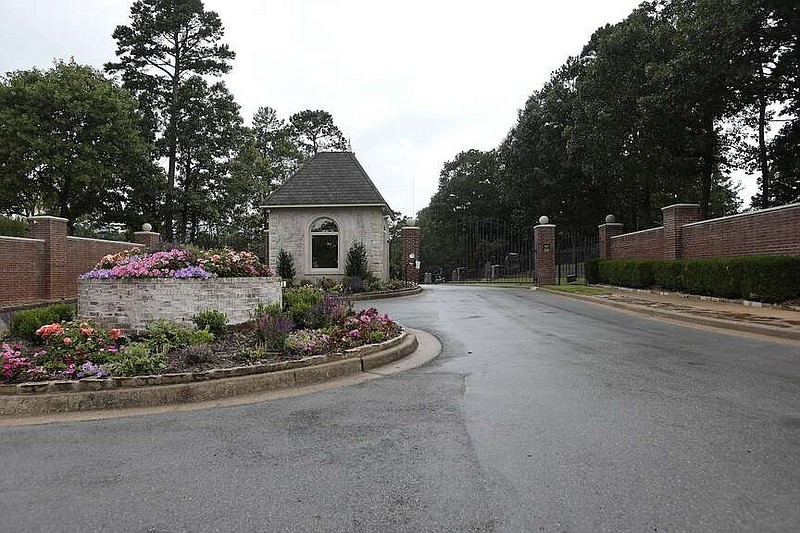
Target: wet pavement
x=542, y=413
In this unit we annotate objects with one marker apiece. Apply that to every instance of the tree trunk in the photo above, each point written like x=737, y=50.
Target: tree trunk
x=763, y=161
x=172, y=154
x=708, y=165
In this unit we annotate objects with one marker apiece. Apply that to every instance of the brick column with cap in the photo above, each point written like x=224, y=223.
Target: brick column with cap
x=544, y=238
x=147, y=237
x=53, y=230
x=606, y=232
x=411, y=236
x=675, y=216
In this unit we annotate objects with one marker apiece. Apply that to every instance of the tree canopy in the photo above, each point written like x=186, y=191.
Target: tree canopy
x=70, y=144
x=168, y=45
x=663, y=107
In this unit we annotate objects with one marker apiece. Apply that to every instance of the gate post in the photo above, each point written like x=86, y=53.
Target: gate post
x=608, y=231
x=147, y=237
x=544, y=238
x=411, y=234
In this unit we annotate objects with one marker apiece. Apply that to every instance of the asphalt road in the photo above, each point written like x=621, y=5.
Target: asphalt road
x=541, y=414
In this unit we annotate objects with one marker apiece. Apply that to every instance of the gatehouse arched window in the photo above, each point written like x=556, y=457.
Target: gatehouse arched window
x=324, y=243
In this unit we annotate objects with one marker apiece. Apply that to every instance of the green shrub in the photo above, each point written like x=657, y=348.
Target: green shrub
x=262, y=309
x=713, y=277
x=165, y=335
x=299, y=302
x=770, y=279
x=136, y=359
x=285, y=265
x=760, y=278
x=213, y=320
x=636, y=273
x=273, y=329
x=592, y=271
x=668, y=274
x=357, y=265
x=25, y=323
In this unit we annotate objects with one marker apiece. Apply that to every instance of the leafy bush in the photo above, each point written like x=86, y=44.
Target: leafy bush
x=25, y=323
x=668, y=274
x=285, y=265
x=70, y=345
x=273, y=328
x=299, y=302
x=329, y=311
x=365, y=327
x=636, y=273
x=13, y=365
x=213, y=320
x=356, y=265
x=761, y=278
x=353, y=285
x=592, y=270
x=165, y=335
x=136, y=359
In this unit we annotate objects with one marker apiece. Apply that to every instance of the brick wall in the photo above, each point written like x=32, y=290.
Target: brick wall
x=46, y=266
x=83, y=254
x=21, y=272
x=130, y=303
x=646, y=244
x=774, y=231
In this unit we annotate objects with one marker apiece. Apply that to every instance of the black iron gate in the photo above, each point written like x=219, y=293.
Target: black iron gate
x=573, y=248
x=479, y=251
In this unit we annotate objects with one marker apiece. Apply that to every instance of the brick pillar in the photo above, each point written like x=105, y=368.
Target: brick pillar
x=675, y=216
x=150, y=239
x=53, y=230
x=411, y=251
x=544, y=238
x=606, y=232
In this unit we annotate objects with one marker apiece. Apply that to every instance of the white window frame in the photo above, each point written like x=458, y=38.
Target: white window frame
x=309, y=249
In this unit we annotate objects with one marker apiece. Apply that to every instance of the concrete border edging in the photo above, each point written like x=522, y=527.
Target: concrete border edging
x=333, y=366
x=769, y=331
x=360, y=296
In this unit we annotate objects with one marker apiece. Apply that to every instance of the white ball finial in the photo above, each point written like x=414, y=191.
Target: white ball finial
x=544, y=220
x=411, y=221
x=147, y=227
x=610, y=219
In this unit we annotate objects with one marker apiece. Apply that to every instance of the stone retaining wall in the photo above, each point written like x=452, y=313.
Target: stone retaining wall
x=130, y=303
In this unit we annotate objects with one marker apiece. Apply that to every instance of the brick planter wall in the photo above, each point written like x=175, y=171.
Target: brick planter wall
x=130, y=303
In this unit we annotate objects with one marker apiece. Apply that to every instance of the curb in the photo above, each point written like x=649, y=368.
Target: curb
x=359, y=360
x=383, y=295
x=758, y=329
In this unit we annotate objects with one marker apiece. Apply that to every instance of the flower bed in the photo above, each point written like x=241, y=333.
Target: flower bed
x=314, y=328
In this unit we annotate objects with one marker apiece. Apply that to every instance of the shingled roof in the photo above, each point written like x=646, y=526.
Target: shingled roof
x=328, y=178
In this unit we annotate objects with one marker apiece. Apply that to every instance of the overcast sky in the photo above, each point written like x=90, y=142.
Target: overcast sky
x=410, y=85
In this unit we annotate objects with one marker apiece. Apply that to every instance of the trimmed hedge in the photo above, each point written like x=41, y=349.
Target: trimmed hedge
x=759, y=278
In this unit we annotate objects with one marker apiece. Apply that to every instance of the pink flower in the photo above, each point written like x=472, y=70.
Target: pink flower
x=115, y=333
x=67, y=341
